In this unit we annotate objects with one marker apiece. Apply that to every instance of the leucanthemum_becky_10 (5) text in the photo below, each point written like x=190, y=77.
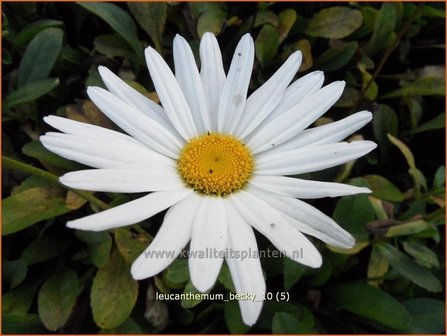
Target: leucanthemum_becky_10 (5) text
x=218, y=161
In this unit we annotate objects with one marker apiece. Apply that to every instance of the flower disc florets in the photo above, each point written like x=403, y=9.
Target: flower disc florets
x=215, y=164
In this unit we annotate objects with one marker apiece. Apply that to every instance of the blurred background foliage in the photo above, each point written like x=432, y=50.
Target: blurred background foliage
x=391, y=56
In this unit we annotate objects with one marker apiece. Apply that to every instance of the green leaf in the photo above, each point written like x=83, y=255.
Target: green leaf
x=29, y=207
x=369, y=17
x=377, y=267
x=14, y=272
x=57, y=298
x=31, y=182
x=384, y=122
x=30, y=92
x=431, y=232
x=335, y=22
x=437, y=122
x=19, y=300
x=99, y=246
x=130, y=245
x=336, y=58
x=320, y=277
x=379, y=208
x=285, y=323
x=100, y=253
x=211, y=16
x=383, y=189
x=304, y=46
x=432, y=12
x=22, y=324
x=211, y=22
x=426, y=86
x=40, y=56
x=266, y=17
x=383, y=32
x=375, y=304
x=233, y=318
x=408, y=268
x=439, y=179
x=266, y=44
x=119, y=20
x=44, y=248
x=265, y=5
x=417, y=207
x=348, y=98
x=428, y=316
x=114, y=293
x=353, y=213
x=36, y=150
x=286, y=20
x=32, y=29
x=151, y=16
x=112, y=46
x=225, y=278
x=372, y=90
x=418, y=177
x=409, y=228
x=271, y=308
x=409, y=157
x=92, y=237
x=365, y=62
x=359, y=245
x=415, y=110
x=421, y=253
x=177, y=274
x=292, y=273
x=161, y=285
x=192, y=291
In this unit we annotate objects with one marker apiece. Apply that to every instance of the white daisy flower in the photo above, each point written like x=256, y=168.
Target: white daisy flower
x=217, y=159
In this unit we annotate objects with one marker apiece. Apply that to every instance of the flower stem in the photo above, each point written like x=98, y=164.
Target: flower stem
x=28, y=169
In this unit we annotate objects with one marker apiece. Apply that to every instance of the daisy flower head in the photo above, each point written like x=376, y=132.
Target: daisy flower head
x=219, y=161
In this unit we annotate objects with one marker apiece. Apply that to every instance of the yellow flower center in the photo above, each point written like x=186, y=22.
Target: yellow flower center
x=215, y=164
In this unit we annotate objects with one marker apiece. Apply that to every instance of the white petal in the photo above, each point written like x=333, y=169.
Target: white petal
x=329, y=133
x=170, y=94
x=123, y=180
x=131, y=96
x=107, y=137
x=299, y=89
x=209, y=237
x=188, y=78
x=297, y=118
x=307, y=219
x=298, y=188
x=141, y=127
x=88, y=130
x=310, y=159
x=234, y=92
x=268, y=221
x=107, y=153
x=174, y=234
x=246, y=271
x=266, y=98
x=131, y=212
x=212, y=74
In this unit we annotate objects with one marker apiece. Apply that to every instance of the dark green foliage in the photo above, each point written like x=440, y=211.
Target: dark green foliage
x=391, y=56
